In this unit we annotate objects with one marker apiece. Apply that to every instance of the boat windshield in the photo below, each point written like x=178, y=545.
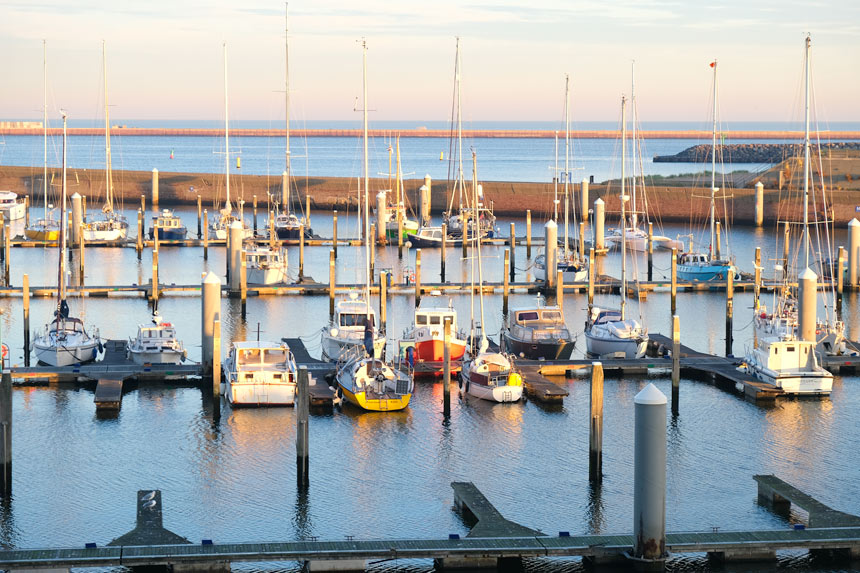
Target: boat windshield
x=355, y=320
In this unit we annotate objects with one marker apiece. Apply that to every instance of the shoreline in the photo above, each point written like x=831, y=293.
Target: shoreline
x=668, y=203
x=422, y=133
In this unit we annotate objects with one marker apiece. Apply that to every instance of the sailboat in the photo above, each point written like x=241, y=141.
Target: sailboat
x=573, y=269
x=394, y=218
x=65, y=341
x=287, y=224
x=47, y=228
x=708, y=266
x=610, y=332
x=782, y=355
x=486, y=374
x=219, y=226
x=112, y=225
x=364, y=379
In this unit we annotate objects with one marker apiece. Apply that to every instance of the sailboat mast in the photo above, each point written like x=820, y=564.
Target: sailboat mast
x=45, y=124
x=287, y=103
x=227, y=206
x=634, y=217
x=61, y=279
x=806, y=159
x=713, y=164
x=566, y=157
x=478, y=244
x=623, y=203
x=108, y=177
x=460, y=178
x=555, y=182
x=367, y=237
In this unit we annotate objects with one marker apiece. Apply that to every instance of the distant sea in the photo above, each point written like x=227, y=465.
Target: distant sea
x=498, y=159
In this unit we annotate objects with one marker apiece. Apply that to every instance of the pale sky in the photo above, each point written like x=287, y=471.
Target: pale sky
x=165, y=58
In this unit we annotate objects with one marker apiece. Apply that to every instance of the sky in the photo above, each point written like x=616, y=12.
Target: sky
x=165, y=59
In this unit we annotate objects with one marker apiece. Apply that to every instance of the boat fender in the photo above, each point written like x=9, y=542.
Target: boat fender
x=467, y=386
x=339, y=393
x=515, y=379
x=101, y=346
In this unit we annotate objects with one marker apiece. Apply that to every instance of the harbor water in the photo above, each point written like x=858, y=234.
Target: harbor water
x=387, y=475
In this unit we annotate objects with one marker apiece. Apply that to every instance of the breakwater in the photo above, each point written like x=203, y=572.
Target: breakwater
x=421, y=132
x=749, y=152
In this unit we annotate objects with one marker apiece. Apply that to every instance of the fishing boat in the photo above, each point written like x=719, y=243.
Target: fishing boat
x=156, y=343
x=789, y=364
x=703, y=266
x=431, y=236
x=110, y=225
x=65, y=341
x=610, y=332
x=426, y=335
x=287, y=224
x=363, y=378
x=260, y=373
x=219, y=226
x=47, y=228
x=266, y=265
x=169, y=227
x=538, y=333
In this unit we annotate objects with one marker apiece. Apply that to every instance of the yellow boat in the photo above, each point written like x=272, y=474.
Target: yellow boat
x=43, y=230
x=373, y=385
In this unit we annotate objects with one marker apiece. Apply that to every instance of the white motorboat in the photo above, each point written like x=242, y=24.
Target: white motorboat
x=353, y=323
x=11, y=206
x=156, y=343
x=791, y=365
x=259, y=373
x=266, y=265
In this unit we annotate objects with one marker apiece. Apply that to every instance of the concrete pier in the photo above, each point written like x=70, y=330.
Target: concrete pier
x=649, y=480
x=550, y=233
x=149, y=529
x=210, y=311
x=759, y=204
x=599, y=221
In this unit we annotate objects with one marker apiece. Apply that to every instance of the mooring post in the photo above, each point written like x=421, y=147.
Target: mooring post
x=757, y=279
x=273, y=237
x=308, y=225
x=383, y=300
x=599, y=216
x=26, y=211
x=506, y=285
x=853, y=253
x=334, y=233
x=512, y=267
x=139, y=244
x=674, y=289
x=595, y=433
x=372, y=245
x=581, y=240
x=840, y=277
x=243, y=280
x=155, y=191
x=417, y=276
x=206, y=235
x=6, y=434
x=676, y=362
x=234, y=257
x=590, y=277
x=446, y=369
x=377, y=231
x=759, y=203
x=25, y=291
x=583, y=200
x=717, y=240
x=465, y=225
x=807, y=282
x=649, y=477
x=199, y=217
x=302, y=252
x=255, y=214
x=216, y=361
x=7, y=248
x=302, y=441
x=331, y=285
x=528, y=233
x=650, y=251
x=82, y=258
x=559, y=289
x=443, y=253
x=143, y=203
x=84, y=207
x=154, y=292
x=285, y=192
x=210, y=310
x=550, y=236
x=785, y=237
x=77, y=219
x=730, y=296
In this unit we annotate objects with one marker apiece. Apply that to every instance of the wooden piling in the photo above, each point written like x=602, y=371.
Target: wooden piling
x=243, y=279
x=650, y=251
x=308, y=212
x=590, y=277
x=84, y=208
x=506, y=288
x=465, y=227
x=730, y=295
x=443, y=252
x=273, y=235
x=528, y=233
x=139, y=244
x=559, y=289
x=840, y=277
x=446, y=369
x=417, y=276
x=143, y=203
x=757, y=280
x=717, y=240
x=676, y=362
x=199, y=217
x=7, y=248
x=383, y=299
x=595, y=433
x=331, y=285
x=512, y=267
x=334, y=233
x=301, y=252
x=302, y=401
x=155, y=191
x=154, y=294
x=255, y=214
x=581, y=240
x=83, y=255
x=216, y=360
x=372, y=244
x=25, y=291
x=674, y=289
x=6, y=435
x=206, y=235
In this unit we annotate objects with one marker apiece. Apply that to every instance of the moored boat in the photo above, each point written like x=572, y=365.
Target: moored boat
x=169, y=226
x=266, y=265
x=371, y=384
x=426, y=336
x=156, y=343
x=11, y=206
x=260, y=373
x=537, y=333
x=791, y=365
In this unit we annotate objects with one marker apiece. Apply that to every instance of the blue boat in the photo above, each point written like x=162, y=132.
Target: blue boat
x=170, y=227
x=699, y=267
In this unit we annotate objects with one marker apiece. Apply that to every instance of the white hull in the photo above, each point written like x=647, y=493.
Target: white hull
x=261, y=394
x=632, y=348
x=267, y=276
x=567, y=276
x=105, y=235
x=796, y=383
x=499, y=394
x=164, y=357
x=48, y=352
x=14, y=212
x=334, y=348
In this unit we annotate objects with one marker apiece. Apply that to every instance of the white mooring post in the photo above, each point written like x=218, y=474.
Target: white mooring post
x=649, y=477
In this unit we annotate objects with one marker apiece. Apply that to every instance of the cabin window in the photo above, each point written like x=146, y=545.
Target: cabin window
x=551, y=315
x=435, y=320
x=274, y=356
x=421, y=319
x=354, y=320
x=531, y=315
x=789, y=348
x=250, y=355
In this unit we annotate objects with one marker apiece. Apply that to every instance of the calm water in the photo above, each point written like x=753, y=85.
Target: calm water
x=388, y=475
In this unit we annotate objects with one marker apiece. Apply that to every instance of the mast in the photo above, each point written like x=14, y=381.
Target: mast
x=555, y=182
x=806, y=158
x=45, y=124
x=633, y=215
x=460, y=178
x=367, y=237
x=711, y=250
x=286, y=207
x=108, y=208
x=399, y=193
x=61, y=278
x=227, y=205
x=566, y=156
x=623, y=202
x=483, y=345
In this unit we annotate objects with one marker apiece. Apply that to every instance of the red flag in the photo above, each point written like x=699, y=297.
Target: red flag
x=712, y=64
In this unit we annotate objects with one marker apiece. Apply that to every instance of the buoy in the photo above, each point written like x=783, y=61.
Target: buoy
x=441, y=156
x=238, y=163
x=171, y=154
x=514, y=379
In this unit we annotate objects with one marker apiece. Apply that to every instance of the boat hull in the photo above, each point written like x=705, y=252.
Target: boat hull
x=267, y=276
x=333, y=348
x=261, y=394
x=703, y=273
x=549, y=350
x=434, y=350
x=500, y=394
x=169, y=234
x=801, y=383
x=294, y=233
x=105, y=235
x=42, y=234
x=54, y=355
x=163, y=357
x=13, y=212
x=364, y=402
x=631, y=347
